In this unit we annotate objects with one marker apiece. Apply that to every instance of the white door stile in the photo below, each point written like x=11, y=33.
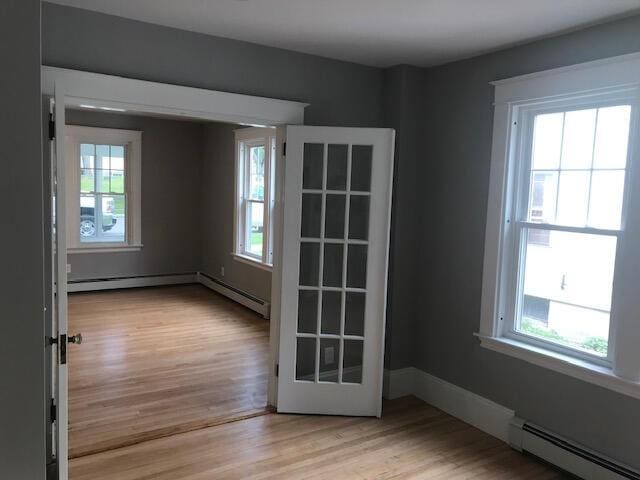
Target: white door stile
x=60, y=306
x=311, y=394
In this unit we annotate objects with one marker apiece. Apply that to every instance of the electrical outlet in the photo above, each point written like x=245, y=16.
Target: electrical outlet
x=222, y=271
x=328, y=355
x=68, y=268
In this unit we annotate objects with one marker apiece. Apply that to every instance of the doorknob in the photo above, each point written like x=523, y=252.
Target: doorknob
x=77, y=338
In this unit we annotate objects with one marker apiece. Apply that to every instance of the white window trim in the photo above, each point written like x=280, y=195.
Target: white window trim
x=246, y=137
x=132, y=139
x=585, y=82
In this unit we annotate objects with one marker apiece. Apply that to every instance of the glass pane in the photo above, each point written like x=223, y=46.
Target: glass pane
x=577, y=142
x=87, y=180
x=573, y=199
x=359, y=217
x=334, y=216
x=547, y=140
x=102, y=180
x=312, y=166
x=357, y=266
x=352, y=363
x=104, y=224
x=307, y=311
x=542, y=206
x=566, y=296
x=113, y=218
x=309, y=264
x=102, y=156
x=337, y=167
x=361, y=158
x=87, y=155
x=116, y=181
x=88, y=230
x=255, y=217
x=117, y=157
x=329, y=358
x=612, y=136
x=331, y=312
x=332, y=265
x=311, y=215
x=605, y=207
x=256, y=173
x=354, y=313
x=306, y=359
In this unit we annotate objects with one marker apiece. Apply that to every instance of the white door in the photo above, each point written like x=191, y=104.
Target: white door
x=337, y=207
x=59, y=333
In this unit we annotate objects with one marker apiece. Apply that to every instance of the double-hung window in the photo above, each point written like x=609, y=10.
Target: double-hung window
x=103, y=189
x=562, y=244
x=255, y=189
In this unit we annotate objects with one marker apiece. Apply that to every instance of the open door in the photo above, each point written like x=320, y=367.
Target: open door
x=59, y=338
x=337, y=208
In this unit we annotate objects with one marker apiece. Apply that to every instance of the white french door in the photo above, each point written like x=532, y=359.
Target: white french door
x=59, y=271
x=337, y=204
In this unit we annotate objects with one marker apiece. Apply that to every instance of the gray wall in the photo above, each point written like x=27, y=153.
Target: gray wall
x=340, y=93
x=22, y=354
x=404, y=103
x=171, y=217
x=218, y=190
x=457, y=130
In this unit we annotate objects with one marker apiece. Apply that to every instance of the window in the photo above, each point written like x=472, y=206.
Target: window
x=562, y=248
x=255, y=187
x=572, y=184
x=103, y=189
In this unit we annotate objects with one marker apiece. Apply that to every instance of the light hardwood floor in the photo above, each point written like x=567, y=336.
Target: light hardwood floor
x=158, y=361
x=412, y=441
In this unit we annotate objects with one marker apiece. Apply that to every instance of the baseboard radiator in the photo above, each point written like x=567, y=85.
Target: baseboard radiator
x=243, y=298
x=569, y=456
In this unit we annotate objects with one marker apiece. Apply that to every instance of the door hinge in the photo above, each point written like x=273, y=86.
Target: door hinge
x=53, y=411
x=52, y=127
x=284, y=149
x=277, y=369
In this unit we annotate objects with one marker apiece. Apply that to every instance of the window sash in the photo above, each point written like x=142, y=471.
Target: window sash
x=243, y=214
x=131, y=141
x=510, y=288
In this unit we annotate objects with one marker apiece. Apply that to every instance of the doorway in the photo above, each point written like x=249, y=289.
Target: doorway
x=358, y=362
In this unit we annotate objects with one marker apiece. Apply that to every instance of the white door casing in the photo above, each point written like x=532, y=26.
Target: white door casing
x=337, y=209
x=60, y=304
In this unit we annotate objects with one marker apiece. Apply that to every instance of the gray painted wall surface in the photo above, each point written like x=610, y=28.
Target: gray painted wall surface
x=457, y=130
x=403, y=104
x=171, y=219
x=218, y=190
x=22, y=354
x=340, y=93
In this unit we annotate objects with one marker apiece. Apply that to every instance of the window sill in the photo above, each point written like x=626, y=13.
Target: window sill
x=105, y=249
x=252, y=261
x=580, y=369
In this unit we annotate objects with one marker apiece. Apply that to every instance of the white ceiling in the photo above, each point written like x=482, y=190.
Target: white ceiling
x=372, y=32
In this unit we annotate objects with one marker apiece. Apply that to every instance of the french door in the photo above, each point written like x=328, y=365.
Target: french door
x=335, y=243
x=59, y=272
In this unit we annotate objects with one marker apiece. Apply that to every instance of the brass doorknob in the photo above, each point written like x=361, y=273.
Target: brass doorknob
x=77, y=338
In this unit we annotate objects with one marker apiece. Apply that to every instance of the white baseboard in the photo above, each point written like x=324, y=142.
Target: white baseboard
x=263, y=308
x=469, y=407
x=133, y=282
x=398, y=383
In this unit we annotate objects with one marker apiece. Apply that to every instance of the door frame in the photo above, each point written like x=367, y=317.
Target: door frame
x=153, y=98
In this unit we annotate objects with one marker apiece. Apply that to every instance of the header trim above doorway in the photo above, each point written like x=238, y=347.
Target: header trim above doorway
x=139, y=96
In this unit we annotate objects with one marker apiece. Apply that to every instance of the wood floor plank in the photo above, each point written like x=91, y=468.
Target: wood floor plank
x=411, y=441
x=159, y=361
